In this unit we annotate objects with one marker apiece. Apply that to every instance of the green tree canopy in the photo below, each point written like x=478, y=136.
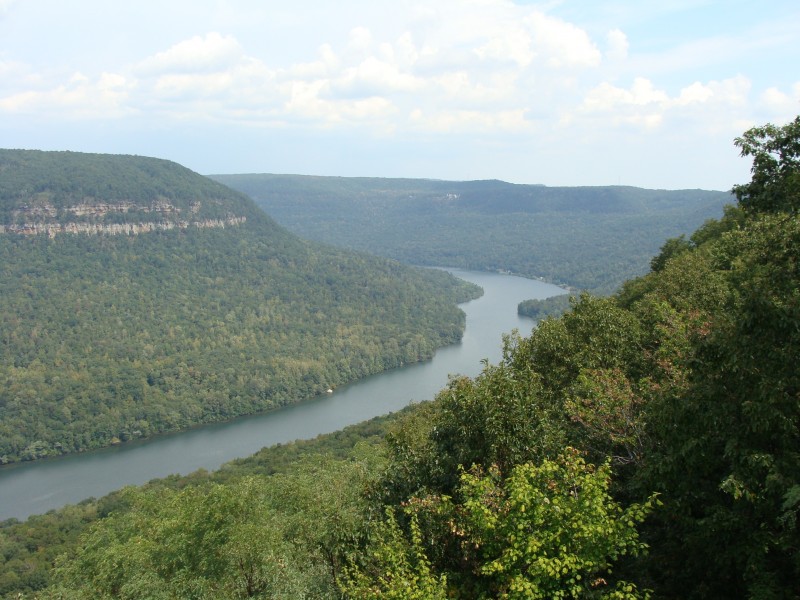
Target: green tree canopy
x=775, y=184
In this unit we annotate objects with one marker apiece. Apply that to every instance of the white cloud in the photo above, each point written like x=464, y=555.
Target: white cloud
x=714, y=105
x=360, y=40
x=697, y=93
x=616, y=45
x=734, y=91
x=211, y=52
x=775, y=98
x=308, y=102
x=487, y=67
x=781, y=104
x=374, y=77
x=561, y=44
x=512, y=44
x=643, y=93
x=188, y=87
x=607, y=97
x=80, y=98
x=458, y=89
x=327, y=63
x=405, y=51
x=305, y=102
x=512, y=121
x=492, y=69
x=374, y=108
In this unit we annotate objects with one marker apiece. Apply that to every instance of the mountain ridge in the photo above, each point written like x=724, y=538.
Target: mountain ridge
x=583, y=237
x=44, y=189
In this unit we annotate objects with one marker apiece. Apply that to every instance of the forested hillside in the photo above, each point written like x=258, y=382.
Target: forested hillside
x=586, y=237
x=641, y=445
x=139, y=297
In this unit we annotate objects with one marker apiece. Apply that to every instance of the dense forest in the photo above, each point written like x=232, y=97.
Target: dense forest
x=107, y=338
x=588, y=238
x=641, y=445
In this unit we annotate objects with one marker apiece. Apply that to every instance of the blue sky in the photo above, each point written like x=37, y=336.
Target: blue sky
x=639, y=93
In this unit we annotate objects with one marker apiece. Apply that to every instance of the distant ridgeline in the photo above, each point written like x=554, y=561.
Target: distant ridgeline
x=67, y=192
x=586, y=237
x=217, y=312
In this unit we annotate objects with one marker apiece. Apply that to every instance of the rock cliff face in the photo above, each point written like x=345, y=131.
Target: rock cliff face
x=52, y=193
x=43, y=218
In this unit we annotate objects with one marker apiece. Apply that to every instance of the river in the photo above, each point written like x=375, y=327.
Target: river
x=36, y=487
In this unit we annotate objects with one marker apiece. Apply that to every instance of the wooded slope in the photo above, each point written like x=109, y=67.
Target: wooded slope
x=112, y=335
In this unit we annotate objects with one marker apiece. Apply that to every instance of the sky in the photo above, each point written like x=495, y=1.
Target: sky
x=573, y=92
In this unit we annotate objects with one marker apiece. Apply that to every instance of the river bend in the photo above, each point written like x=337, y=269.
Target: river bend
x=34, y=488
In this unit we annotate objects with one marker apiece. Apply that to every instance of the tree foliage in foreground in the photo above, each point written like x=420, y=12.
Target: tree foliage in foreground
x=550, y=530
x=686, y=381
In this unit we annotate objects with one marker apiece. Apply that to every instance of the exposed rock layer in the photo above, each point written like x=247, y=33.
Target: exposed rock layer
x=41, y=219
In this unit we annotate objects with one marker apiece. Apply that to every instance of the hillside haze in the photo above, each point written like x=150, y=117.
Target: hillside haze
x=139, y=297
x=586, y=237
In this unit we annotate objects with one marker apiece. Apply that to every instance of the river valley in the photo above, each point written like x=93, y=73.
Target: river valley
x=34, y=488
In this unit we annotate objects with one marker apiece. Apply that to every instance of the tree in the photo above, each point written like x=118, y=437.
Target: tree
x=724, y=443
x=671, y=248
x=201, y=542
x=394, y=567
x=499, y=418
x=324, y=508
x=547, y=530
x=775, y=184
x=550, y=530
